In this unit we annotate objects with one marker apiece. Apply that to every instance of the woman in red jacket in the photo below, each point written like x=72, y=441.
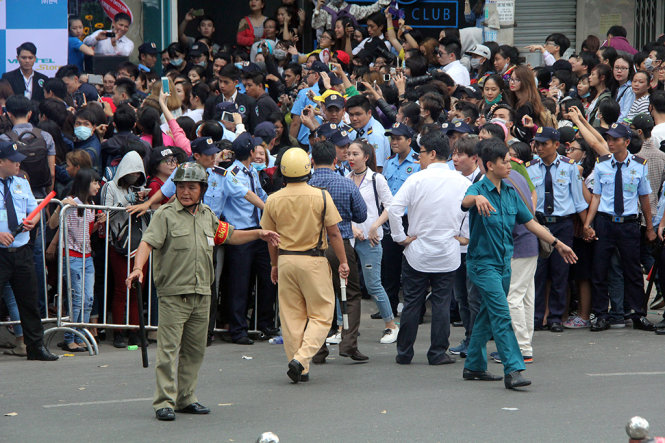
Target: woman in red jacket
x=250, y=28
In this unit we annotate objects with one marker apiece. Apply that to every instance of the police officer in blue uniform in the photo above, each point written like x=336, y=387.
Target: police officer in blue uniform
x=367, y=127
x=559, y=188
x=338, y=134
x=245, y=262
x=403, y=163
x=16, y=263
x=620, y=181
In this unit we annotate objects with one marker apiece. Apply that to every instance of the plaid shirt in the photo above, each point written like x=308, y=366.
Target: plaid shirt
x=345, y=194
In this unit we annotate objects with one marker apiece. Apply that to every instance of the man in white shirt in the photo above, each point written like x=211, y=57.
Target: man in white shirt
x=113, y=42
x=433, y=198
x=450, y=52
x=657, y=109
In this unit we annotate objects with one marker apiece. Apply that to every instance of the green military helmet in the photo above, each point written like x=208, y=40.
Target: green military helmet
x=190, y=172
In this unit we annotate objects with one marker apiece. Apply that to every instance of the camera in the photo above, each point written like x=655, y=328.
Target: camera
x=418, y=81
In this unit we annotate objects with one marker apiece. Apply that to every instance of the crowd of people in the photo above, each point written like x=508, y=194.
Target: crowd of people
x=431, y=148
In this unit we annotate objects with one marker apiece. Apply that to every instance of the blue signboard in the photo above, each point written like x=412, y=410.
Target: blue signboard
x=427, y=13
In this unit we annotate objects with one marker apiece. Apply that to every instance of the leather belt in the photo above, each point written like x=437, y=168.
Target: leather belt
x=551, y=219
x=310, y=253
x=624, y=219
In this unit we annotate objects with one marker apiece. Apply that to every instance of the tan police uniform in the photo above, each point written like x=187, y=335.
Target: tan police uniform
x=305, y=290
x=183, y=271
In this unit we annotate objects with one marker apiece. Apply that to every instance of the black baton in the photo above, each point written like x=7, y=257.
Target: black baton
x=142, y=339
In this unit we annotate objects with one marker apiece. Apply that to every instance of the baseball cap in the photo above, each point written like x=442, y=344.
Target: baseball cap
x=205, y=146
x=251, y=68
x=459, y=126
x=197, y=49
x=326, y=130
x=544, y=134
x=480, y=50
x=9, y=151
x=148, y=48
x=244, y=143
x=567, y=134
x=265, y=131
x=618, y=130
x=642, y=121
x=339, y=138
x=319, y=66
x=335, y=100
x=227, y=106
x=400, y=129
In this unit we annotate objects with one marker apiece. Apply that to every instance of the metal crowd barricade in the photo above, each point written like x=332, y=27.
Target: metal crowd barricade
x=65, y=323
x=46, y=318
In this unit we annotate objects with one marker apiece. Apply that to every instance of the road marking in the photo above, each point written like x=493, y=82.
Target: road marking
x=615, y=374
x=100, y=402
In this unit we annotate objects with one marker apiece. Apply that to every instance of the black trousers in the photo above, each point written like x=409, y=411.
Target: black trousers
x=555, y=269
x=243, y=263
x=626, y=238
x=18, y=268
x=391, y=267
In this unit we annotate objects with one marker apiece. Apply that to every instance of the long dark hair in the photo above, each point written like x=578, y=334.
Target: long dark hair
x=148, y=120
x=81, y=186
x=367, y=150
x=284, y=140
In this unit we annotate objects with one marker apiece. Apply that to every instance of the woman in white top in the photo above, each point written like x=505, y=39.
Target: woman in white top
x=376, y=193
x=641, y=88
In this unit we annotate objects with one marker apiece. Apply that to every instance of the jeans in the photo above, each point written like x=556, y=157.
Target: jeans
x=83, y=293
x=12, y=307
x=370, y=259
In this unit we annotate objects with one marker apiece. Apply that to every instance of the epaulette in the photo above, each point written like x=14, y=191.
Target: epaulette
x=392, y=156
x=640, y=160
x=603, y=158
x=349, y=129
x=220, y=171
x=235, y=170
x=533, y=162
x=516, y=160
x=370, y=130
x=415, y=156
x=570, y=161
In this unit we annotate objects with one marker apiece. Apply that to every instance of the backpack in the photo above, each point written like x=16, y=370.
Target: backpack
x=33, y=146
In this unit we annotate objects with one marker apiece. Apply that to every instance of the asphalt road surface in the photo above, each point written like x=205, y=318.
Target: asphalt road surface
x=585, y=388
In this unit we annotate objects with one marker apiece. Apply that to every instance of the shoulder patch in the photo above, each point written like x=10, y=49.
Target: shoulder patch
x=235, y=170
x=415, y=156
x=370, y=130
x=603, y=158
x=516, y=160
x=533, y=162
x=220, y=171
x=640, y=160
x=570, y=161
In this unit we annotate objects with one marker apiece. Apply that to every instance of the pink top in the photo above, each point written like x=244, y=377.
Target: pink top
x=179, y=138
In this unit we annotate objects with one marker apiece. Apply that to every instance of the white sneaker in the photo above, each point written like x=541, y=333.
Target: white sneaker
x=334, y=339
x=400, y=307
x=389, y=336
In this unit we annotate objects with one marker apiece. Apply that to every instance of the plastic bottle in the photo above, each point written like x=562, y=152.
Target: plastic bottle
x=276, y=340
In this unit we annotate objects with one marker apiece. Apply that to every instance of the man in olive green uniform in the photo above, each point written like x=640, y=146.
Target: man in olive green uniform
x=182, y=235
x=300, y=213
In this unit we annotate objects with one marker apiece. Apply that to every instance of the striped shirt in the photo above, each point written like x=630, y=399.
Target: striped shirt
x=78, y=230
x=639, y=106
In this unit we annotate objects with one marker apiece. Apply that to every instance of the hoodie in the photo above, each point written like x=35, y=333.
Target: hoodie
x=621, y=44
x=114, y=195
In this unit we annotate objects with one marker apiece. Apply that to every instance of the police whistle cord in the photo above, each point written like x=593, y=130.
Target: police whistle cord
x=142, y=338
x=34, y=213
x=345, y=313
x=652, y=276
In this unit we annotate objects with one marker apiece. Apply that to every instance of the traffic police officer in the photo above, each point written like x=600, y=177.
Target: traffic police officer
x=182, y=235
x=620, y=180
x=246, y=261
x=403, y=163
x=559, y=188
x=300, y=214
x=16, y=263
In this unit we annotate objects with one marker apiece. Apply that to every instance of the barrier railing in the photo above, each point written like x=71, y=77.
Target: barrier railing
x=80, y=328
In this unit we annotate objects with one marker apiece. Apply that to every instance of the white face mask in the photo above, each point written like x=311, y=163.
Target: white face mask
x=475, y=63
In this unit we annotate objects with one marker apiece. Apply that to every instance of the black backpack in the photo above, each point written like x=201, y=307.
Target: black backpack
x=33, y=146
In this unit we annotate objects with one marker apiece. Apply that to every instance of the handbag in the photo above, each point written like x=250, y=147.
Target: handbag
x=545, y=249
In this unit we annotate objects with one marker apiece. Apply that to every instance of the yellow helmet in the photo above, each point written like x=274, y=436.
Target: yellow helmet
x=295, y=163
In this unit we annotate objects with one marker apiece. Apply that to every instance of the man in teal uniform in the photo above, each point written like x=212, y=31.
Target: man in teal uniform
x=494, y=210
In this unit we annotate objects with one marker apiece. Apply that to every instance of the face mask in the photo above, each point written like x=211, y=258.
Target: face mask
x=259, y=166
x=177, y=61
x=585, y=95
x=475, y=63
x=82, y=132
x=495, y=101
x=202, y=64
x=279, y=54
x=261, y=65
x=238, y=65
x=648, y=63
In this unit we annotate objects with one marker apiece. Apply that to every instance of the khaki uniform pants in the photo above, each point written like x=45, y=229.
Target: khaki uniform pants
x=521, y=300
x=306, y=305
x=181, y=337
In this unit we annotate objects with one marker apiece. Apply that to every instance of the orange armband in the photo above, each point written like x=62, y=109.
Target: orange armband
x=222, y=233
